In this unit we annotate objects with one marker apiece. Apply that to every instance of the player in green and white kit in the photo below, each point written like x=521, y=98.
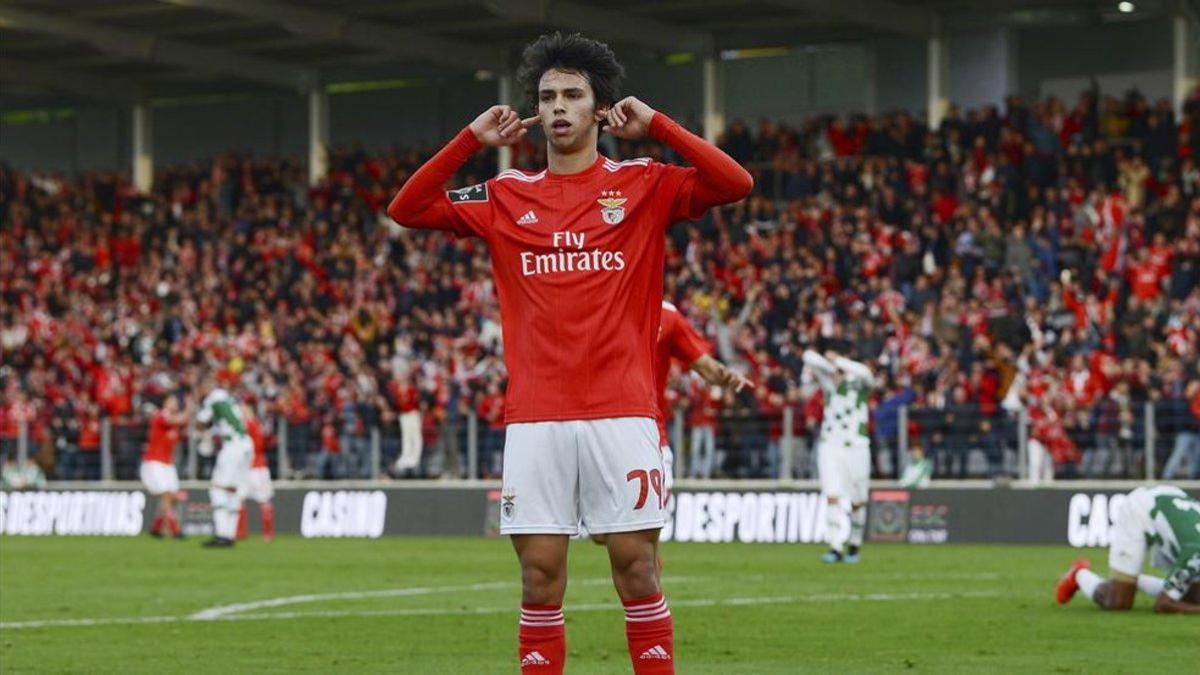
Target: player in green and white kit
x=1163, y=519
x=232, y=470
x=843, y=451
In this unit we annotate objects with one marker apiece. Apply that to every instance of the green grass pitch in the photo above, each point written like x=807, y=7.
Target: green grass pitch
x=442, y=605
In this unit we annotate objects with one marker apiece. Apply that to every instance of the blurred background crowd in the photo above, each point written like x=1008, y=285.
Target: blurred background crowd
x=1026, y=272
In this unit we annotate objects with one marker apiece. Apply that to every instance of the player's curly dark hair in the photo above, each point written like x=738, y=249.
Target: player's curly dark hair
x=572, y=53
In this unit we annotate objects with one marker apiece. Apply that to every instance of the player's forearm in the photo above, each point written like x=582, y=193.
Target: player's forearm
x=412, y=206
x=720, y=179
x=1165, y=604
x=708, y=368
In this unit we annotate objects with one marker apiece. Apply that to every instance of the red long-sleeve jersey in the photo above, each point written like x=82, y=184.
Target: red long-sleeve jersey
x=578, y=264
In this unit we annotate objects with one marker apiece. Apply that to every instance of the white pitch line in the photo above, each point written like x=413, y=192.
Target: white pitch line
x=474, y=611
x=225, y=610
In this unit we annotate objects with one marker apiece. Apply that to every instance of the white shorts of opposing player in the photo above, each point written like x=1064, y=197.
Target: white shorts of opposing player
x=258, y=486
x=229, y=479
x=232, y=469
x=845, y=472
x=159, y=477
x=605, y=472
x=845, y=469
x=1127, y=546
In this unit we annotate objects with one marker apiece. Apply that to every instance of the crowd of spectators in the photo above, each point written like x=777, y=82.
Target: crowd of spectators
x=1040, y=259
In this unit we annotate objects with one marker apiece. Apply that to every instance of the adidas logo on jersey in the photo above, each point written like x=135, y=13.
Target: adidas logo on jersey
x=535, y=659
x=529, y=218
x=655, y=652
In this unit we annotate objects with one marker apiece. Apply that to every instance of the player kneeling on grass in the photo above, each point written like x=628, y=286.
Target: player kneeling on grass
x=258, y=485
x=843, y=451
x=577, y=256
x=232, y=469
x=1167, y=521
x=158, y=472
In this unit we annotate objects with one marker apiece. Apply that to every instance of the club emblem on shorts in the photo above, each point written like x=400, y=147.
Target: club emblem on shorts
x=508, y=506
x=613, y=203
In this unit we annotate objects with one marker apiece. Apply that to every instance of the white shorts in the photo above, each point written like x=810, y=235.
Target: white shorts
x=845, y=472
x=232, y=469
x=159, y=477
x=668, y=460
x=1127, y=545
x=606, y=472
x=258, y=486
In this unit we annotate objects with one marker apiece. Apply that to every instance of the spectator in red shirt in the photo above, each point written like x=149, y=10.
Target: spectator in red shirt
x=89, y=440
x=1144, y=278
x=407, y=400
x=329, y=462
x=491, y=414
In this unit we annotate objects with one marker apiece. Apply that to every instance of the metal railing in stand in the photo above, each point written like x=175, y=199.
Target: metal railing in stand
x=22, y=443
x=192, y=458
x=1151, y=440
x=283, y=459
x=106, y=450
x=745, y=443
x=376, y=453
x=787, y=445
x=1023, y=444
x=472, y=446
x=903, y=451
x=681, y=457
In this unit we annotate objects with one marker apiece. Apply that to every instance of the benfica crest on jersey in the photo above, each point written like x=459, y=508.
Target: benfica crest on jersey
x=613, y=204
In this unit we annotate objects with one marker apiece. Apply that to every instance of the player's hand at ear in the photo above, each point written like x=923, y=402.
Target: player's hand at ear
x=500, y=125
x=629, y=118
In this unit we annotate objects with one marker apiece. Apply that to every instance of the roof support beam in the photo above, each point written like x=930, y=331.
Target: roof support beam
x=603, y=23
x=143, y=47
x=336, y=27
x=889, y=17
x=87, y=86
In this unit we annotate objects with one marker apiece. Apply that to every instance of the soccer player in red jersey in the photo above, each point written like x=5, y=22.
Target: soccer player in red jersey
x=157, y=471
x=258, y=486
x=577, y=255
x=679, y=341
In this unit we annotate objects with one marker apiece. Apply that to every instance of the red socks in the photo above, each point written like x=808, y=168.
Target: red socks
x=648, y=630
x=268, y=520
x=543, y=639
x=651, y=635
x=165, y=518
x=172, y=523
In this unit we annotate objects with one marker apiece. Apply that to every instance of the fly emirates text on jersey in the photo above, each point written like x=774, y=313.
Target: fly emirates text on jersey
x=571, y=256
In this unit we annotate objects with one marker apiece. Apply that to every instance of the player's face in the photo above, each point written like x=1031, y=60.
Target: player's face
x=567, y=108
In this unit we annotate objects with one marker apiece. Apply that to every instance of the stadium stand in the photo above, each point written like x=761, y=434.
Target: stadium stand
x=1031, y=273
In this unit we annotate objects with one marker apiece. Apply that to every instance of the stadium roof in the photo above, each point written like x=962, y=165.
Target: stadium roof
x=126, y=50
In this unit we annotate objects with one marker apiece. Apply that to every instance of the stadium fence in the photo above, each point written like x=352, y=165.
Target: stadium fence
x=961, y=442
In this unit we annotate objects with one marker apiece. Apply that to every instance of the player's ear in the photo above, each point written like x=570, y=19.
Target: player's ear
x=601, y=112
